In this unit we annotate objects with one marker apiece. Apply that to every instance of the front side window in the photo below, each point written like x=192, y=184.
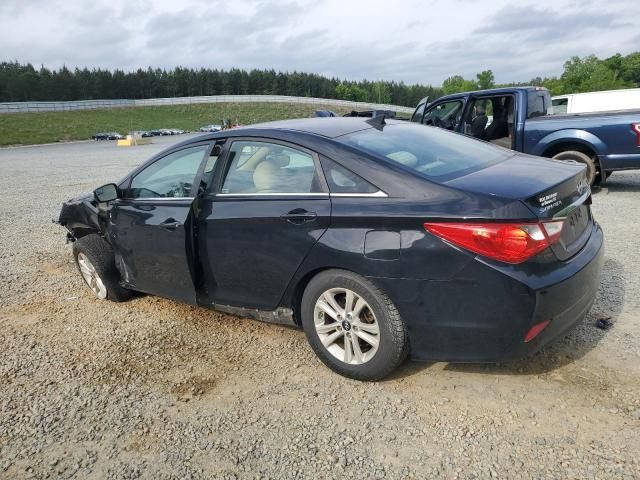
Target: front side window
x=169, y=177
x=261, y=167
x=444, y=115
x=417, y=115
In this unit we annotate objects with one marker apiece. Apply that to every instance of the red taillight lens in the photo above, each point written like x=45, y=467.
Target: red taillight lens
x=535, y=330
x=636, y=128
x=507, y=242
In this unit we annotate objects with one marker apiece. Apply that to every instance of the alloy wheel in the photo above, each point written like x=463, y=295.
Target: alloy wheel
x=346, y=326
x=91, y=276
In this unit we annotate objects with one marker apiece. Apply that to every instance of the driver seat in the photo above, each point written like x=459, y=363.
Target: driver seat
x=479, y=122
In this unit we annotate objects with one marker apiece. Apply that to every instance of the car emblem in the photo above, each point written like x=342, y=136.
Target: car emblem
x=582, y=186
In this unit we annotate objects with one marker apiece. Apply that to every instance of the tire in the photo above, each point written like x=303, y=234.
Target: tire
x=599, y=179
x=371, y=363
x=580, y=158
x=93, y=255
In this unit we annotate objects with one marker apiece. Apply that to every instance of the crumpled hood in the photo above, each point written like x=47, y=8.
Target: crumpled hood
x=80, y=214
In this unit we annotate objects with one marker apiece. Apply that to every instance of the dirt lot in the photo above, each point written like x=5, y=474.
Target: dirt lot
x=154, y=389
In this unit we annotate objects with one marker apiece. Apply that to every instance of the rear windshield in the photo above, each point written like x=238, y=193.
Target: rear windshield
x=429, y=151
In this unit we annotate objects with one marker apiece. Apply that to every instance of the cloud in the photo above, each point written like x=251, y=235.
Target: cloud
x=411, y=41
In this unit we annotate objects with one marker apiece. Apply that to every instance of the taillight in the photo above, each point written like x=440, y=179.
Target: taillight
x=507, y=242
x=636, y=128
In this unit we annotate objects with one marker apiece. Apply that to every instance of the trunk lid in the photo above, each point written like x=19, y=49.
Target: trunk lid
x=549, y=188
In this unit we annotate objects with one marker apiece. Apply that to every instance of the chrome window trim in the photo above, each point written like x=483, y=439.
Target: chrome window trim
x=273, y=194
x=157, y=199
x=378, y=194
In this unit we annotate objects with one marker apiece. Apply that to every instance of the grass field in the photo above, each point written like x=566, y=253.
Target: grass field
x=48, y=127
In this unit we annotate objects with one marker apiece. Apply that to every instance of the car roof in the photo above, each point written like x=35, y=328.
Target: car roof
x=330, y=127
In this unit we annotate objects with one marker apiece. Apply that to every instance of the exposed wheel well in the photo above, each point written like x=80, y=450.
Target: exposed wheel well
x=300, y=288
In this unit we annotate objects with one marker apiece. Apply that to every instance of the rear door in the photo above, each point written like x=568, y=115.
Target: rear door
x=150, y=227
x=268, y=208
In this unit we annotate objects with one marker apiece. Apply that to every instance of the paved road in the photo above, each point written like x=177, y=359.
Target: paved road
x=154, y=389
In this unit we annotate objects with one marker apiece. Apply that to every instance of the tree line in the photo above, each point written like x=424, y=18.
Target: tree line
x=24, y=82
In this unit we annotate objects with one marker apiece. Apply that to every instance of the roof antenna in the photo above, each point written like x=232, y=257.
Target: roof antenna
x=377, y=122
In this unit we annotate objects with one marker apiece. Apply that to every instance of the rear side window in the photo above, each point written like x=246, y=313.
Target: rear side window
x=341, y=180
x=539, y=103
x=431, y=152
x=560, y=105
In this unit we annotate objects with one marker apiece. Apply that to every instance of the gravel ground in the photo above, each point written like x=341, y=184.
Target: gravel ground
x=154, y=389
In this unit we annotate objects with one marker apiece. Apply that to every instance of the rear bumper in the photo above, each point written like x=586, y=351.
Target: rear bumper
x=566, y=303
x=485, y=312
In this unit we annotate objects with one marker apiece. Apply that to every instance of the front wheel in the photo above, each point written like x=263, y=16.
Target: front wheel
x=96, y=263
x=575, y=156
x=352, y=326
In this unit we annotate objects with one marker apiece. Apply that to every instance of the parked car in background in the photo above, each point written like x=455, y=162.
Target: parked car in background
x=324, y=113
x=518, y=118
x=211, y=128
x=371, y=113
x=626, y=99
x=380, y=238
x=140, y=133
x=107, y=136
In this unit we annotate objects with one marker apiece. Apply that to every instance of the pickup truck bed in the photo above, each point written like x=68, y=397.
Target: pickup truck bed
x=609, y=135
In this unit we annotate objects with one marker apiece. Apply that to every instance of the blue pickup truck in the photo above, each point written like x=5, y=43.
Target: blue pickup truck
x=518, y=118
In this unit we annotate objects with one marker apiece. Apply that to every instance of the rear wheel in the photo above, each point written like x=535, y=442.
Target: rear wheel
x=352, y=326
x=580, y=157
x=96, y=263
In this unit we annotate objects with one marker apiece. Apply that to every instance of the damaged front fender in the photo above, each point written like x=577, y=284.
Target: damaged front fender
x=81, y=216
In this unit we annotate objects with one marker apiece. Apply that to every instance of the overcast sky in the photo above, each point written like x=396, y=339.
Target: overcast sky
x=410, y=40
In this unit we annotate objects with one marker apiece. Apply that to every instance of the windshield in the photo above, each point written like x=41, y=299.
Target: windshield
x=429, y=151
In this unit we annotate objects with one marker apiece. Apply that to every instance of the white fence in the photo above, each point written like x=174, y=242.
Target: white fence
x=19, y=107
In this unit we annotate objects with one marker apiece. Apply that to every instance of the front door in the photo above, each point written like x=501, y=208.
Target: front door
x=256, y=228
x=150, y=227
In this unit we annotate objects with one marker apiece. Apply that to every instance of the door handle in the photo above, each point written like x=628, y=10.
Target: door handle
x=299, y=215
x=171, y=224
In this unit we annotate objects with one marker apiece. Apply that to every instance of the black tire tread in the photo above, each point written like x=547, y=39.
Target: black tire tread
x=101, y=256
x=592, y=169
x=394, y=324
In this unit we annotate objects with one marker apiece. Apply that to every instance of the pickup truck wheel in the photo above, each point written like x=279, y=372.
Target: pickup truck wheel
x=352, y=326
x=96, y=263
x=580, y=157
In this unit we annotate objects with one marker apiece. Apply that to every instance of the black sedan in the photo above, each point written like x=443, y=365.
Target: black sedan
x=378, y=237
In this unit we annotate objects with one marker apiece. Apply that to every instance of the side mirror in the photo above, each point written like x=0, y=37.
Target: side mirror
x=106, y=193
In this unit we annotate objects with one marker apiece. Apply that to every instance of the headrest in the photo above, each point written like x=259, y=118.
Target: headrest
x=405, y=158
x=278, y=159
